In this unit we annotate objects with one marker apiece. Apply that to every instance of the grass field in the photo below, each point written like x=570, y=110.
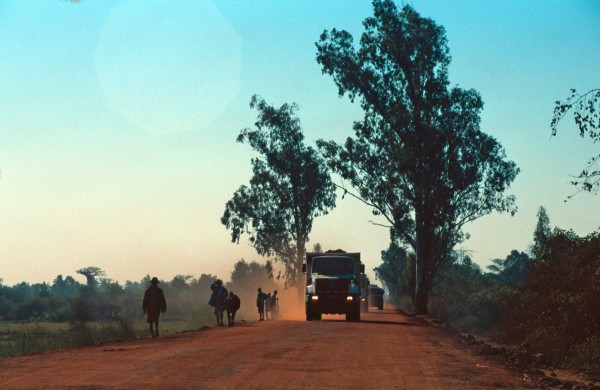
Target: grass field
x=17, y=339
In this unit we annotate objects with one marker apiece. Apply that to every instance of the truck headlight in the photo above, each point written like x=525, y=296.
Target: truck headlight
x=349, y=298
x=314, y=298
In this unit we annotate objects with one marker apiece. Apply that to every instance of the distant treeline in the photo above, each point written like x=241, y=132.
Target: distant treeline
x=100, y=298
x=547, y=301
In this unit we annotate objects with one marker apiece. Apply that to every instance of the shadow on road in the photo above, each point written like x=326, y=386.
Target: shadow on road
x=392, y=323
x=380, y=322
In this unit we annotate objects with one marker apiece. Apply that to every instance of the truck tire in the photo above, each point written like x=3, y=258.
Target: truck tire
x=317, y=315
x=309, y=314
x=353, y=313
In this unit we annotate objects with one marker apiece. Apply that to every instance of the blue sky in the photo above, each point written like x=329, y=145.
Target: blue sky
x=119, y=119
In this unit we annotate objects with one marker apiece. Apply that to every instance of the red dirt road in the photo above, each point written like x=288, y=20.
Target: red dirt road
x=386, y=350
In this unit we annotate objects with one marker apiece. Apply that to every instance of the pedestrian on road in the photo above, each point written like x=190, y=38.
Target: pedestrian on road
x=154, y=304
x=268, y=307
x=217, y=299
x=260, y=304
x=274, y=305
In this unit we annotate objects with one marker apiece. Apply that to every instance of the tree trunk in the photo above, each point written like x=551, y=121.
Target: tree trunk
x=421, y=261
x=301, y=278
x=421, y=296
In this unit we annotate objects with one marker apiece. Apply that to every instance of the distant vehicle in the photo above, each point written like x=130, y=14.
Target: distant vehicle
x=376, y=296
x=364, y=282
x=333, y=284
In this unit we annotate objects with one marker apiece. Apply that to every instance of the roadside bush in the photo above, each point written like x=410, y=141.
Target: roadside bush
x=585, y=355
x=558, y=310
x=81, y=334
x=470, y=301
x=201, y=317
x=21, y=339
x=460, y=297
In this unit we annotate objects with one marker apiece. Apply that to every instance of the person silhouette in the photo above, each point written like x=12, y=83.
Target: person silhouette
x=154, y=304
x=274, y=305
x=217, y=299
x=260, y=304
x=268, y=307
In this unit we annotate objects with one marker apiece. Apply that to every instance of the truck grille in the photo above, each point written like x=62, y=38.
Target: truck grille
x=337, y=285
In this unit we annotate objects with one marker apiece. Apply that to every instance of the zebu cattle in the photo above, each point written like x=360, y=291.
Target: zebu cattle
x=232, y=305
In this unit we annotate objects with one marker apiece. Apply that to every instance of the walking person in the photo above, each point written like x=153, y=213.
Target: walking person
x=260, y=304
x=154, y=304
x=274, y=305
x=217, y=299
x=268, y=306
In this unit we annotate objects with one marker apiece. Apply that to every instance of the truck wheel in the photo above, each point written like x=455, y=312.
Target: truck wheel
x=308, y=310
x=318, y=315
x=353, y=313
x=356, y=313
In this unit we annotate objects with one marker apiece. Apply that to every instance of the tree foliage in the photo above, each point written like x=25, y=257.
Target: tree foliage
x=69, y=300
x=586, y=114
x=467, y=299
x=512, y=270
x=289, y=188
x=246, y=278
x=419, y=158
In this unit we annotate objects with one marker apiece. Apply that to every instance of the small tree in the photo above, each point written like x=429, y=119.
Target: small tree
x=542, y=232
x=395, y=272
x=290, y=187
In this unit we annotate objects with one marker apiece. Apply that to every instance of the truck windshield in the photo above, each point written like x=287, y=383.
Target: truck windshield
x=333, y=266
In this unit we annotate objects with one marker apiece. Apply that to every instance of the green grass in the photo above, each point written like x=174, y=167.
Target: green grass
x=17, y=339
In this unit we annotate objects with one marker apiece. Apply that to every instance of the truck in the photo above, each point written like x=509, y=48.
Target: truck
x=333, y=281
x=376, y=296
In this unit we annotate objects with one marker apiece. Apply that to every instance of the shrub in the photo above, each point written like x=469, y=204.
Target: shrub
x=558, y=306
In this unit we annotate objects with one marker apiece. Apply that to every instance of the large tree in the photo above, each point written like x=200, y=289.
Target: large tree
x=419, y=158
x=290, y=186
x=91, y=275
x=585, y=108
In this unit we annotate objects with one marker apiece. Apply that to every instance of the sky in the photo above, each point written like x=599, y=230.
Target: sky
x=118, y=122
